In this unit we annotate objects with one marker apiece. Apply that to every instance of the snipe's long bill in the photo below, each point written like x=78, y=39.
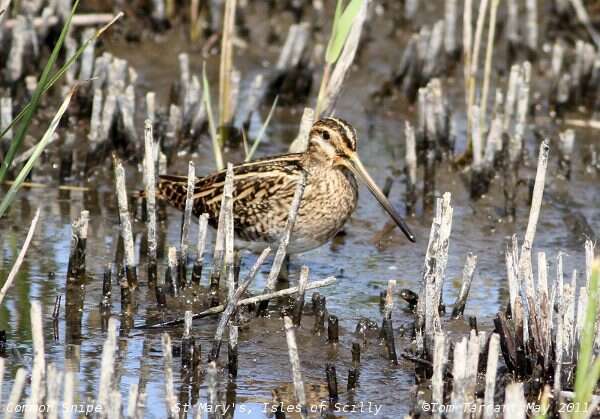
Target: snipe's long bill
x=264, y=189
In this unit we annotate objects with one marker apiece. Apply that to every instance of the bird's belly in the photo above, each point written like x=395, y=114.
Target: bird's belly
x=326, y=205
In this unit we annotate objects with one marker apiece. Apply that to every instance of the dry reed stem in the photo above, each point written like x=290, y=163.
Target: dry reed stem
x=299, y=392
x=150, y=187
x=490, y=377
x=488, y=63
x=124, y=217
x=17, y=265
x=226, y=64
x=285, y=239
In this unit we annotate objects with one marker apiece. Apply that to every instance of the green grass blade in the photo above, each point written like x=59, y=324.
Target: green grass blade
x=211, y=121
x=35, y=100
x=341, y=30
x=261, y=133
x=336, y=19
x=36, y=153
x=58, y=75
x=588, y=373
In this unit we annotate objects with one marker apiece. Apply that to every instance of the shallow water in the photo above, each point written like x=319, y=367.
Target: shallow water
x=362, y=269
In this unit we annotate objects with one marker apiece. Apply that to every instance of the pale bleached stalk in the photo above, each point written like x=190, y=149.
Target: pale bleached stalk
x=38, y=374
x=532, y=24
x=411, y=152
x=285, y=239
x=475, y=54
x=515, y=406
x=53, y=385
x=437, y=380
x=150, y=188
x=17, y=265
x=490, y=377
x=459, y=372
x=584, y=17
x=16, y=391
x=202, y=230
x=488, y=63
x=187, y=214
x=256, y=299
x=467, y=278
x=300, y=143
x=472, y=367
x=450, y=17
x=68, y=394
x=290, y=335
x=226, y=65
x=467, y=44
x=389, y=299
x=83, y=19
x=170, y=397
x=124, y=217
x=525, y=267
x=227, y=208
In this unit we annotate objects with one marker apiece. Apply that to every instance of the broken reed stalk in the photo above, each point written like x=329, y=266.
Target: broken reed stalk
x=437, y=379
x=125, y=221
x=38, y=374
x=172, y=270
x=410, y=168
x=17, y=265
x=232, y=351
x=290, y=335
x=299, y=303
x=187, y=344
x=461, y=299
x=199, y=263
x=219, y=251
x=515, y=405
x=185, y=228
x=467, y=45
x=284, y=241
x=150, y=199
x=227, y=208
x=427, y=319
x=232, y=305
x=76, y=265
x=226, y=66
x=488, y=64
x=251, y=300
x=490, y=376
x=170, y=398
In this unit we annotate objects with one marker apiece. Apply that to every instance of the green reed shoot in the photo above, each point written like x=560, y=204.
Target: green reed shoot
x=262, y=131
x=29, y=110
x=588, y=370
x=35, y=100
x=39, y=148
x=342, y=23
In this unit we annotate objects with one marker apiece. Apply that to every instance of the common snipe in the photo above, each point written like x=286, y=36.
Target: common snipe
x=263, y=191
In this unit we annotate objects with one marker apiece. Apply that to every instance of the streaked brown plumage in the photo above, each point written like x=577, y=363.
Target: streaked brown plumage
x=263, y=191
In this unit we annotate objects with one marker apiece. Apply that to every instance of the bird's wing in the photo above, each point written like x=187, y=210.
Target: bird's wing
x=258, y=186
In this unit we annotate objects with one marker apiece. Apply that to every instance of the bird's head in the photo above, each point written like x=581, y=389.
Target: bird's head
x=333, y=141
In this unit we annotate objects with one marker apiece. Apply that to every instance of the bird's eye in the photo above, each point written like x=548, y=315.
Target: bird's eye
x=325, y=135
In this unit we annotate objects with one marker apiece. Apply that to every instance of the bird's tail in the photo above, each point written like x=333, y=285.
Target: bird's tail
x=172, y=189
